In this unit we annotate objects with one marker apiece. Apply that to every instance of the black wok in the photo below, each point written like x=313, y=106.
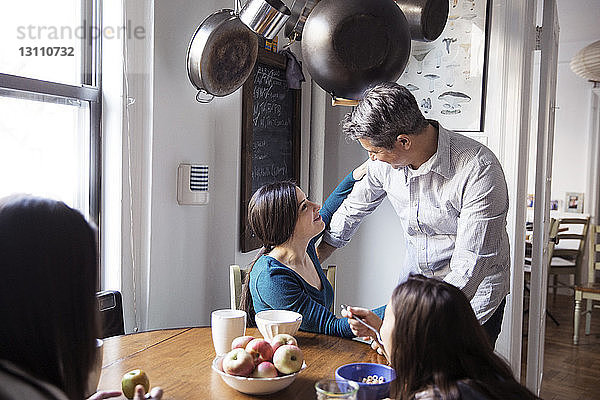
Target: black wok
x=350, y=45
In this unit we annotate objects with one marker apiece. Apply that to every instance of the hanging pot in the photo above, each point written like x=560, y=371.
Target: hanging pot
x=265, y=17
x=221, y=55
x=295, y=24
x=350, y=45
x=426, y=18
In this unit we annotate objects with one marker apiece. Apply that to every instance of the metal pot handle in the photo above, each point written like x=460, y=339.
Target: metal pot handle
x=204, y=97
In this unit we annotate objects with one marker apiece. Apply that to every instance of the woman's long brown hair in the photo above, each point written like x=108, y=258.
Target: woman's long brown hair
x=48, y=264
x=272, y=214
x=439, y=342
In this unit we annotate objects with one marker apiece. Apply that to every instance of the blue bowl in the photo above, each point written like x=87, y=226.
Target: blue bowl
x=357, y=371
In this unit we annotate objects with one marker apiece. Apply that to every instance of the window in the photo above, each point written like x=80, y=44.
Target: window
x=50, y=101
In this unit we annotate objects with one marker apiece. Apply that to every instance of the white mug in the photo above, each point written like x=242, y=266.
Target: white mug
x=226, y=325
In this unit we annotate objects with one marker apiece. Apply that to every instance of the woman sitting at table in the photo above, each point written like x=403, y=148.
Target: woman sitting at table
x=437, y=347
x=49, y=315
x=286, y=274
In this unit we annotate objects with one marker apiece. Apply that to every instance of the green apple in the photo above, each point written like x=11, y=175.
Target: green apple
x=132, y=379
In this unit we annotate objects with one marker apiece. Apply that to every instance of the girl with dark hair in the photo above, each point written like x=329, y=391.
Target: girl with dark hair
x=286, y=274
x=49, y=314
x=437, y=347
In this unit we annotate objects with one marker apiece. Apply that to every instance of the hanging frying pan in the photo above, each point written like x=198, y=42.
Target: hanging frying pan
x=221, y=55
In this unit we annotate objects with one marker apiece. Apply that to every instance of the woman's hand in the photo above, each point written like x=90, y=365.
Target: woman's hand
x=366, y=315
x=360, y=171
x=155, y=394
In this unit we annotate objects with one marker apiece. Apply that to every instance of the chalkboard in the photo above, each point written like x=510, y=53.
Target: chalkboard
x=270, y=133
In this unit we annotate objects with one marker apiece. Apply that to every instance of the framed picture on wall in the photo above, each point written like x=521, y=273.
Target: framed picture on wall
x=448, y=76
x=574, y=202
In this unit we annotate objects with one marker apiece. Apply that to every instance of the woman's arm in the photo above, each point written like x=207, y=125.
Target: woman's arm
x=282, y=290
x=342, y=191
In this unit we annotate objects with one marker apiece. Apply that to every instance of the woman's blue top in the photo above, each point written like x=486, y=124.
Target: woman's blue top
x=274, y=286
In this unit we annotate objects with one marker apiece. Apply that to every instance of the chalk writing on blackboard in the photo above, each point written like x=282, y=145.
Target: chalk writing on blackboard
x=270, y=134
x=272, y=111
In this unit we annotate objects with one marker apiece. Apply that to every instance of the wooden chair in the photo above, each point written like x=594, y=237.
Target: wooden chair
x=589, y=291
x=552, y=241
x=569, y=261
x=237, y=276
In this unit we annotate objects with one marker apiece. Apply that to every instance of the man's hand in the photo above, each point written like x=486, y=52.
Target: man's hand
x=324, y=250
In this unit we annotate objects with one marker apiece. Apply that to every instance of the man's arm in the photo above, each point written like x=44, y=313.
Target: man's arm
x=366, y=195
x=481, y=233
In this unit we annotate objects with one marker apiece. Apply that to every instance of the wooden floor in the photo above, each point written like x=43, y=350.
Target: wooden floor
x=570, y=372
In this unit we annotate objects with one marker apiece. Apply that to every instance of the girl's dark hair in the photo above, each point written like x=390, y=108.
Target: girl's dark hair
x=48, y=265
x=439, y=342
x=272, y=214
x=384, y=112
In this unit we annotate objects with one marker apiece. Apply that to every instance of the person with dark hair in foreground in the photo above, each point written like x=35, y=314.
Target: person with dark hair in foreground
x=49, y=315
x=437, y=347
x=286, y=274
x=448, y=191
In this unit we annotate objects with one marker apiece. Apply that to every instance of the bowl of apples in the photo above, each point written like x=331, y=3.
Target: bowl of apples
x=258, y=366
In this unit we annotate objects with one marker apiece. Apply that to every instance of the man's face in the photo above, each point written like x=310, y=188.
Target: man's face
x=396, y=157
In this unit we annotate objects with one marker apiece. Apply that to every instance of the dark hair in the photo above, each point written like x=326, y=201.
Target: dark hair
x=384, y=112
x=438, y=342
x=272, y=214
x=48, y=265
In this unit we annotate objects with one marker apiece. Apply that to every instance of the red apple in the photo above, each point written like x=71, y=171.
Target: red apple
x=241, y=342
x=281, y=339
x=288, y=359
x=238, y=362
x=265, y=369
x=260, y=350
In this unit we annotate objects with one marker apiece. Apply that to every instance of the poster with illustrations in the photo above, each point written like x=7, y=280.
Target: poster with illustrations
x=447, y=76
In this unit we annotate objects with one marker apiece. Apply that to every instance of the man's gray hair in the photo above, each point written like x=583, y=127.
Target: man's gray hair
x=384, y=112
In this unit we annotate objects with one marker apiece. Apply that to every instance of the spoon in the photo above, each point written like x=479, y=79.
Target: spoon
x=377, y=336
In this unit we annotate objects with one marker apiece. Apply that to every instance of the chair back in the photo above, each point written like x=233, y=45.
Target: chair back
x=237, y=276
x=110, y=305
x=594, y=251
x=574, y=254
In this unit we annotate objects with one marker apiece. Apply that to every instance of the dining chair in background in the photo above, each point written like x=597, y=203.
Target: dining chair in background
x=569, y=261
x=589, y=291
x=110, y=305
x=552, y=241
x=237, y=276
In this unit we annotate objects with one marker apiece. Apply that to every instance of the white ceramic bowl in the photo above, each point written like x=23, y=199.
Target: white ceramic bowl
x=256, y=385
x=274, y=322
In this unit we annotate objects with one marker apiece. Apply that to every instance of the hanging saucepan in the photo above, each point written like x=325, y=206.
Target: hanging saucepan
x=221, y=55
x=350, y=45
x=265, y=17
x=426, y=18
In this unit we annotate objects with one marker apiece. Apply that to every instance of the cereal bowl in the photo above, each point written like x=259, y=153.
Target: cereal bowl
x=256, y=385
x=273, y=322
x=368, y=391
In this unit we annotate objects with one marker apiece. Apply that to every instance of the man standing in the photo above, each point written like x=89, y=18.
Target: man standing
x=448, y=190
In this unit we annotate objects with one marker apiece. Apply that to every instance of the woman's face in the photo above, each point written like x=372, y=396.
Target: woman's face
x=309, y=223
x=387, y=329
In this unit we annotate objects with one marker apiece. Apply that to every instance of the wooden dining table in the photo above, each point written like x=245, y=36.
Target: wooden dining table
x=179, y=361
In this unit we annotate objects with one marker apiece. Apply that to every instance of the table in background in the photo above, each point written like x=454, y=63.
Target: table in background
x=179, y=360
